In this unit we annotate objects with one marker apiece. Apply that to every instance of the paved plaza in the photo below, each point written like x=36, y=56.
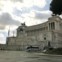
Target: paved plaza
x=21, y=56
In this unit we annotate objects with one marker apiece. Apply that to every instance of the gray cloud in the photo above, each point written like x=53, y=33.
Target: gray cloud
x=2, y=27
x=42, y=15
x=6, y=19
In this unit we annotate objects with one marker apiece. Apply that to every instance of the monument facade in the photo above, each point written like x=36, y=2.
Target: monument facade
x=38, y=35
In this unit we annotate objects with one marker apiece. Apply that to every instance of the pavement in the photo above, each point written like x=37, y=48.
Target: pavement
x=22, y=56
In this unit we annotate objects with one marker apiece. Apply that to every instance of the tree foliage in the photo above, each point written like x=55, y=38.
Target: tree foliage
x=56, y=7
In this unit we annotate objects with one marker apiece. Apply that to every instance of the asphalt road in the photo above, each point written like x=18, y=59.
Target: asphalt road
x=21, y=56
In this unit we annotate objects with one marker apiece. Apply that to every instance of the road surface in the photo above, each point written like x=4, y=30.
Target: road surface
x=21, y=56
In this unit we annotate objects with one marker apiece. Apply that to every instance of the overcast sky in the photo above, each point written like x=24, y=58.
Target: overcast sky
x=15, y=12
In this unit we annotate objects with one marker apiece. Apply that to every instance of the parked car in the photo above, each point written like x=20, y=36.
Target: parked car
x=33, y=48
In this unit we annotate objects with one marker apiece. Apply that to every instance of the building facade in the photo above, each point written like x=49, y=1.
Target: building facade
x=38, y=35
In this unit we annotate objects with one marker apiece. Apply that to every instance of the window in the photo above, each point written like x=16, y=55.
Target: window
x=44, y=38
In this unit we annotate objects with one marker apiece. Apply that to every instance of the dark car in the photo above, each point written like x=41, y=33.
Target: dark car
x=33, y=48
